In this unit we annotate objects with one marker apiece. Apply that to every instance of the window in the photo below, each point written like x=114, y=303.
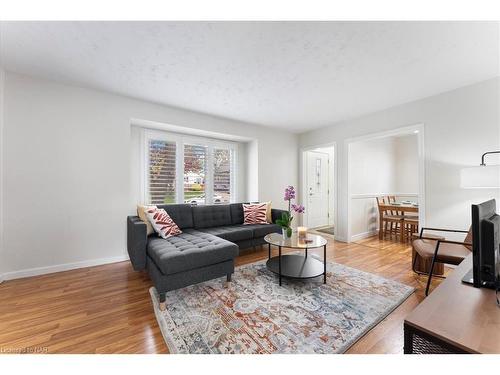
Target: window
x=195, y=171
x=184, y=169
x=222, y=175
x=161, y=171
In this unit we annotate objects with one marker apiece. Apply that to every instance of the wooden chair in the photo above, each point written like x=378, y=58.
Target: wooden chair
x=410, y=221
x=441, y=250
x=422, y=266
x=411, y=225
x=392, y=220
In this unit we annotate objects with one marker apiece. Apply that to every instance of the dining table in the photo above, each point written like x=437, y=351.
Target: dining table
x=401, y=209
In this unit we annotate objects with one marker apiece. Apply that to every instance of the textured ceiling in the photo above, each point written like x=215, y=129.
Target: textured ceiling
x=292, y=75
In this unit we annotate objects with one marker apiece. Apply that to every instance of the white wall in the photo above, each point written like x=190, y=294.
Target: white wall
x=382, y=166
x=3, y=262
x=67, y=180
x=252, y=169
x=406, y=164
x=459, y=126
x=371, y=173
x=372, y=166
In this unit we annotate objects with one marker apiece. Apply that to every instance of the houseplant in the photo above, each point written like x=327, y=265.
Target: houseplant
x=285, y=222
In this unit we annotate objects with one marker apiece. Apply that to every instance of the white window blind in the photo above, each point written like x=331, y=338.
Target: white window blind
x=161, y=171
x=195, y=171
x=222, y=175
x=185, y=169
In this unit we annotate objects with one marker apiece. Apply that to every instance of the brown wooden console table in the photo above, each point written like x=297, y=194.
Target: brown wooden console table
x=454, y=318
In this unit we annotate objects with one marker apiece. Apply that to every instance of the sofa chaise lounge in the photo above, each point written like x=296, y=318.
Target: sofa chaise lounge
x=211, y=238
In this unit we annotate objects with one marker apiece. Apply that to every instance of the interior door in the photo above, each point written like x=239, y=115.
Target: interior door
x=317, y=189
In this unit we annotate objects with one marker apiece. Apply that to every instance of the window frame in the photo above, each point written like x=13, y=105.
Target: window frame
x=180, y=140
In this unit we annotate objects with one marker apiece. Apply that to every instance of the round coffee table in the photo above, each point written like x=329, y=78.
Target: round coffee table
x=295, y=266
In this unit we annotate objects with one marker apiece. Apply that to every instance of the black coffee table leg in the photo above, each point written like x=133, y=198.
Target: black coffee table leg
x=269, y=251
x=324, y=264
x=279, y=272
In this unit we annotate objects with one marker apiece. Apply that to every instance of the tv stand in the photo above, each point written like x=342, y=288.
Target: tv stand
x=469, y=277
x=469, y=280
x=454, y=318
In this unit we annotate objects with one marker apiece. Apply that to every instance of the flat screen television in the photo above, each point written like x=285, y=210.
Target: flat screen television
x=485, y=246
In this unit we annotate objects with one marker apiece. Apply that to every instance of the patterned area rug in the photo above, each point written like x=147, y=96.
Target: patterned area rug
x=255, y=315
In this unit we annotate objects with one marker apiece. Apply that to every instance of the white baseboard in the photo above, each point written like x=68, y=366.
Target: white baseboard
x=361, y=236
x=60, y=267
x=340, y=238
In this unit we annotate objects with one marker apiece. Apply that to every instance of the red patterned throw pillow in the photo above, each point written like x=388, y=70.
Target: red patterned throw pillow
x=162, y=223
x=255, y=213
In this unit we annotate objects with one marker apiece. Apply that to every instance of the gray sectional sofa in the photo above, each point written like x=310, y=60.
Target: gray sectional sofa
x=211, y=238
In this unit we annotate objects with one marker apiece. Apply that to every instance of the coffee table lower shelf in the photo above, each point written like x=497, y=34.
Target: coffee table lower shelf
x=296, y=267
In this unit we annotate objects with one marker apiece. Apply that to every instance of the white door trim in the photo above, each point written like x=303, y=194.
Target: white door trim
x=417, y=128
x=303, y=178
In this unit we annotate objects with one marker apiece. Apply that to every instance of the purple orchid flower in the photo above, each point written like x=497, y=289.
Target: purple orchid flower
x=300, y=209
x=286, y=218
x=289, y=193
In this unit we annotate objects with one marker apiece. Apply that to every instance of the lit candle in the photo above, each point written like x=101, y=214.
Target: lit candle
x=302, y=233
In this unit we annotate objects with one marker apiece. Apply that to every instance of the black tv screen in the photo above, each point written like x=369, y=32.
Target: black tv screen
x=485, y=245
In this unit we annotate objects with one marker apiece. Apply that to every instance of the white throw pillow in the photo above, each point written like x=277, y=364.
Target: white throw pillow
x=162, y=223
x=141, y=212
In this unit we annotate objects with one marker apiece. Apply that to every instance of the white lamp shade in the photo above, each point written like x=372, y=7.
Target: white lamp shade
x=480, y=177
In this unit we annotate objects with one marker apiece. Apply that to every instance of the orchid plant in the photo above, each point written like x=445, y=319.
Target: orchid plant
x=286, y=218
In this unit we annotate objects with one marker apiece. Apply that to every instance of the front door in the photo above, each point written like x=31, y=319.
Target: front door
x=317, y=189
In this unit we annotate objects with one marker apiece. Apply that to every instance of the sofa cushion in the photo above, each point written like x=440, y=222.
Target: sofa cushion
x=181, y=214
x=233, y=233
x=189, y=250
x=260, y=230
x=211, y=216
x=236, y=213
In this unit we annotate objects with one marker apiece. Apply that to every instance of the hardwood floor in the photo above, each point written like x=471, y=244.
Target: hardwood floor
x=107, y=309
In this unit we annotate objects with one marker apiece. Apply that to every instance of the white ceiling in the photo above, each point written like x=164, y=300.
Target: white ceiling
x=291, y=75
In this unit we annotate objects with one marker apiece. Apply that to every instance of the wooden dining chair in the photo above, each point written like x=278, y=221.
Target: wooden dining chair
x=392, y=199
x=392, y=220
x=411, y=225
x=410, y=221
